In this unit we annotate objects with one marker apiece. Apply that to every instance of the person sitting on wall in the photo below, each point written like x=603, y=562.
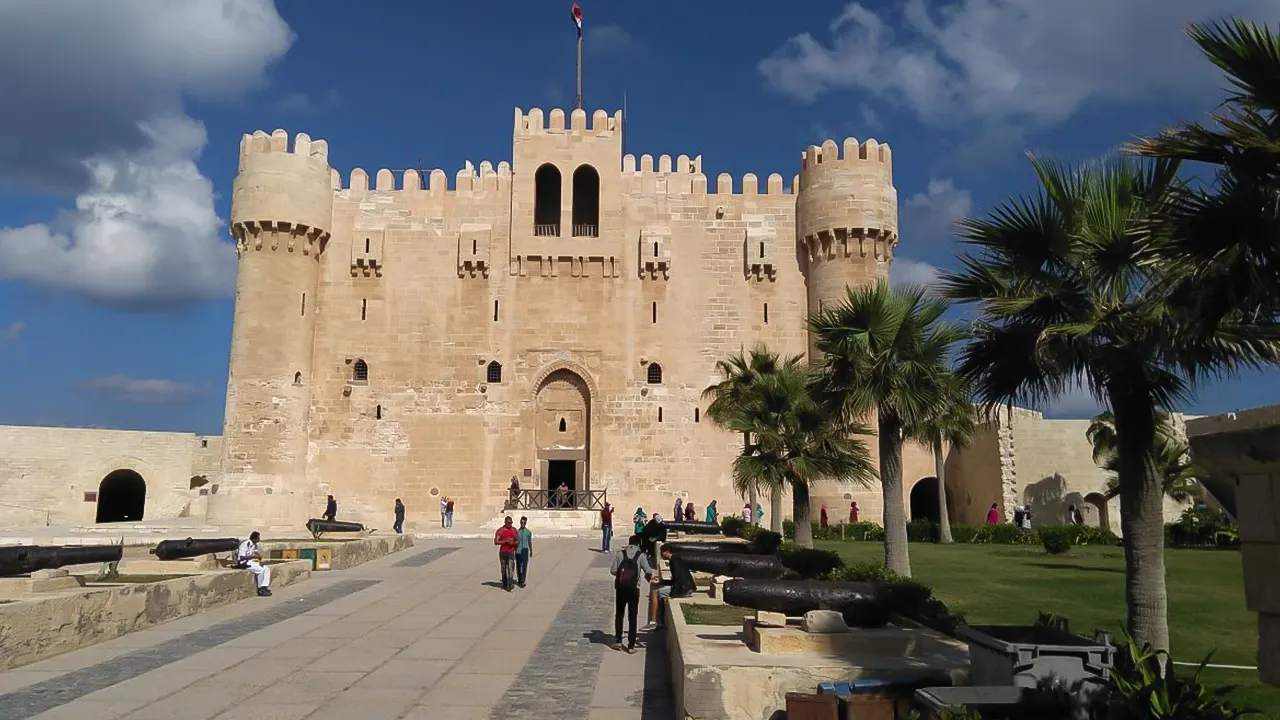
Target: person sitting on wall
x=679, y=585
x=654, y=531
x=249, y=557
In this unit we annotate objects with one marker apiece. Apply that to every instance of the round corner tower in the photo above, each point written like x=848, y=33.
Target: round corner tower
x=281, y=214
x=846, y=219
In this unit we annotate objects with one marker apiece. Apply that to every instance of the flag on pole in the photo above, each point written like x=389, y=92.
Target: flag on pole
x=577, y=18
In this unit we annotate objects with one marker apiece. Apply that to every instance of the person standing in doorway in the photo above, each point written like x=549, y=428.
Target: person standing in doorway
x=399, y=524
x=524, y=551
x=249, y=557
x=628, y=565
x=606, y=526
x=993, y=515
x=330, y=509
x=712, y=512
x=448, y=513
x=507, y=540
x=444, y=510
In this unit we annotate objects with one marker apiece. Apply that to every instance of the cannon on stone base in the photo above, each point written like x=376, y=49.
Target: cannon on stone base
x=179, y=549
x=29, y=558
x=318, y=527
x=766, y=543
x=690, y=527
x=733, y=565
x=862, y=604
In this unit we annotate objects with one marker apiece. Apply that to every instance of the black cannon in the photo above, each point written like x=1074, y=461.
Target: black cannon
x=317, y=527
x=29, y=558
x=179, y=549
x=692, y=527
x=765, y=543
x=862, y=604
x=735, y=565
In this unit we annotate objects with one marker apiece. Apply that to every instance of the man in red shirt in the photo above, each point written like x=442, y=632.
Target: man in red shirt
x=507, y=540
x=606, y=526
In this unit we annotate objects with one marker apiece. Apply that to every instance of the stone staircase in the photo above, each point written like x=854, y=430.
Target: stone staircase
x=566, y=521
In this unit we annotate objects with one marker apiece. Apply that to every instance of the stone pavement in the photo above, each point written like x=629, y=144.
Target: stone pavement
x=425, y=633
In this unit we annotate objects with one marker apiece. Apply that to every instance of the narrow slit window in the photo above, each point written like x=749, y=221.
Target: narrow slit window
x=655, y=312
x=297, y=378
x=761, y=250
x=563, y=425
x=766, y=313
x=697, y=415
x=378, y=412
x=495, y=311
x=659, y=414
x=364, y=309
x=304, y=304
x=655, y=249
x=366, y=246
x=473, y=247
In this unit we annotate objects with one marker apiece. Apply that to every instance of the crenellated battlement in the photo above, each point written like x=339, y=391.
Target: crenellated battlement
x=535, y=122
x=468, y=180
x=260, y=143
x=689, y=170
x=869, y=155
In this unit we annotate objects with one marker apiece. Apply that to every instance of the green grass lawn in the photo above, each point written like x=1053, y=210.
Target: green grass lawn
x=1004, y=584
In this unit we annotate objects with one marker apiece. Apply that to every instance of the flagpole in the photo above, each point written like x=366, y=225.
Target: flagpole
x=577, y=100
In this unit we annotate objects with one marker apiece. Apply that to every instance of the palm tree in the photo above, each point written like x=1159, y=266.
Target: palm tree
x=792, y=441
x=885, y=351
x=1074, y=283
x=1173, y=458
x=950, y=423
x=740, y=376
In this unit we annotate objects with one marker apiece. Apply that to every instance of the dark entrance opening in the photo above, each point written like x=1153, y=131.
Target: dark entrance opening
x=122, y=497
x=924, y=500
x=561, y=471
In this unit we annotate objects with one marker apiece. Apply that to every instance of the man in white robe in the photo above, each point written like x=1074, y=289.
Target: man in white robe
x=249, y=557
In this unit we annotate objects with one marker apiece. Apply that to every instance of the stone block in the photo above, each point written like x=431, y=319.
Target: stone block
x=1261, y=578
x=1269, y=648
x=823, y=621
x=765, y=618
x=1256, y=508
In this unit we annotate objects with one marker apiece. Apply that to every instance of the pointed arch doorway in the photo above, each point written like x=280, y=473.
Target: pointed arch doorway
x=562, y=434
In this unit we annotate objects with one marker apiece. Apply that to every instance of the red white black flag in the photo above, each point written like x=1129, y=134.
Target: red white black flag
x=577, y=17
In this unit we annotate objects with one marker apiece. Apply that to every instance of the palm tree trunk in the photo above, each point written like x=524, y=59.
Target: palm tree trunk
x=895, y=515
x=800, y=513
x=751, y=494
x=775, y=510
x=940, y=471
x=1142, y=522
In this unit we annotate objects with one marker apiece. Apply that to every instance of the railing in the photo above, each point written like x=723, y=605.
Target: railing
x=547, y=230
x=555, y=500
x=586, y=230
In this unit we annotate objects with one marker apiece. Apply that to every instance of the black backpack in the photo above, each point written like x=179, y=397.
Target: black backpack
x=628, y=572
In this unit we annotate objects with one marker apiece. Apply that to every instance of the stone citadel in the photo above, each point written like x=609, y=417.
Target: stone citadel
x=555, y=319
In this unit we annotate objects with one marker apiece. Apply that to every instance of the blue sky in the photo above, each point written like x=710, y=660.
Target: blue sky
x=118, y=142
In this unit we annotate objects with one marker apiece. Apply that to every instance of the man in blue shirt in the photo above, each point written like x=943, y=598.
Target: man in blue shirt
x=524, y=551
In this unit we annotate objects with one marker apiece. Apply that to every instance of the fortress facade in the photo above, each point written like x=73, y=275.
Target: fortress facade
x=555, y=319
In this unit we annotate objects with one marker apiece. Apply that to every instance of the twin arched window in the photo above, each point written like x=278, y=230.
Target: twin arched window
x=547, y=193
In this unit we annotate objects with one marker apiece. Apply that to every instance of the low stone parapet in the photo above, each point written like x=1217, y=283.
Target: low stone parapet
x=342, y=554
x=43, y=625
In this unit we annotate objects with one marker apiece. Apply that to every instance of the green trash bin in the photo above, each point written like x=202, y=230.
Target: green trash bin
x=308, y=554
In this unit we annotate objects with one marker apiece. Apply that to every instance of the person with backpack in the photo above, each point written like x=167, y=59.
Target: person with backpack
x=628, y=564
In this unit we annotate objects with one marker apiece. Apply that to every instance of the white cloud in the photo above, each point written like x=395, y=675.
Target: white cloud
x=300, y=103
x=94, y=108
x=1008, y=61
x=914, y=272
x=870, y=118
x=929, y=217
x=150, y=392
x=13, y=330
x=607, y=39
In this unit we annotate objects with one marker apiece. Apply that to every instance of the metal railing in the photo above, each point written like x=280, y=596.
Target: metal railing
x=547, y=230
x=555, y=500
x=584, y=230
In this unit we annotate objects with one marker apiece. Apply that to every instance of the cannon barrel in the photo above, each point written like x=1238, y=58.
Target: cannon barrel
x=178, y=549
x=316, y=526
x=734, y=565
x=692, y=527
x=862, y=604
x=29, y=558
x=725, y=547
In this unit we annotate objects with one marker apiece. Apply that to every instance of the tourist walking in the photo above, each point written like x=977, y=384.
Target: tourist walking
x=628, y=565
x=1026, y=517
x=746, y=513
x=689, y=514
x=249, y=557
x=993, y=515
x=448, y=513
x=711, y=512
x=507, y=540
x=639, y=519
x=606, y=526
x=853, y=511
x=759, y=514
x=399, y=524
x=444, y=511
x=679, y=513
x=822, y=517
x=330, y=509
x=524, y=551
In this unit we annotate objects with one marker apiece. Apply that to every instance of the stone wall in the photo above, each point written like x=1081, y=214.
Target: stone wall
x=46, y=472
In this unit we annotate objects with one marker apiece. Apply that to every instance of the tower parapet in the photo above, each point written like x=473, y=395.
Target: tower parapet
x=281, y=215
x=846, y=218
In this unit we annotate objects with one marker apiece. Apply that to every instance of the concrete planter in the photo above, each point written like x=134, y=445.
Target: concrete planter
x=1021, y=655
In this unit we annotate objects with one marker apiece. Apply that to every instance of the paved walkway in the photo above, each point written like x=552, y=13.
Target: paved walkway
x=425, y=633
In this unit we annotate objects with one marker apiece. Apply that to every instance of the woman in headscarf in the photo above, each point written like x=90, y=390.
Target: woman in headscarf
x=639, y=519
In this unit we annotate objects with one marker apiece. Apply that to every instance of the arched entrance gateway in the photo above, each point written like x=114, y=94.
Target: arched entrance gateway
x=924, y=501
x=122, y=497
x=562, y=431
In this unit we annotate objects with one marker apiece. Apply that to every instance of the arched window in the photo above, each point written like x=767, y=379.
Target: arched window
x=586, y=202
x=493, y=373
x=563, y=425
x=655, y=374
x=360, y=372
x=297, y=378
x=546, y=201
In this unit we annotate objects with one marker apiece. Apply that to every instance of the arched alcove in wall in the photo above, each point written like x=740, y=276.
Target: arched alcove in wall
x=122, y=497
